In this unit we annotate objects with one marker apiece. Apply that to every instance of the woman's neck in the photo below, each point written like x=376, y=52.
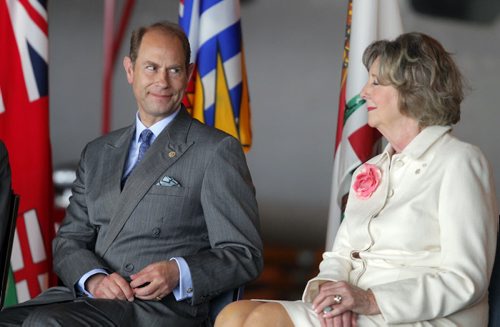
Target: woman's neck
x=400, y=136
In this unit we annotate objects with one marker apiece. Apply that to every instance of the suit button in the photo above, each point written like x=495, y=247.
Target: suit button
x=129, y=267
x=355, y=254
x=156, y=232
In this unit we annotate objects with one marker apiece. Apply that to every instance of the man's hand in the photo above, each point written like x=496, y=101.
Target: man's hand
x=156, y=280
x=112, y=287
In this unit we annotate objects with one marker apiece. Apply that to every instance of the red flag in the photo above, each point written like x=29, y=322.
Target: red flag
x=24, y=127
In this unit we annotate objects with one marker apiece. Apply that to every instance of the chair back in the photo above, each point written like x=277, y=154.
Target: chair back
x=219, y=302
x=494, y=291
x=7, y=237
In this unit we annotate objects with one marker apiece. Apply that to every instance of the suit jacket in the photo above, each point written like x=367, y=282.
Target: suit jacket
x=5, y=186
x=211, y=219
x=424, y=242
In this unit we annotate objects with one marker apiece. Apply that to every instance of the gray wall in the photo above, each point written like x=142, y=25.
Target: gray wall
x=294, y=52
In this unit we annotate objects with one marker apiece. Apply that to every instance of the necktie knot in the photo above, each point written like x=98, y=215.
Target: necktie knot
x=145, y=140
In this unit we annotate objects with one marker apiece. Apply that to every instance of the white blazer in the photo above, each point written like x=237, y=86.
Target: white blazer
x=424, y=242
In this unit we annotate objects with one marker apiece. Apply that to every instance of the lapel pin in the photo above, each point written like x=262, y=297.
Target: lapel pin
x=171, y=154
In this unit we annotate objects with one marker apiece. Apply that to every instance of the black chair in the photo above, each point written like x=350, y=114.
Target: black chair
x=218, y=303
x=7, y=237
x=494, y=291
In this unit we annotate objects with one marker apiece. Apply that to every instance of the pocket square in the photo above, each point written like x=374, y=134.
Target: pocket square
x=168, y=181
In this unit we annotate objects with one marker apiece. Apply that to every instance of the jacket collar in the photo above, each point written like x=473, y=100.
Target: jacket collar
x=421, y=143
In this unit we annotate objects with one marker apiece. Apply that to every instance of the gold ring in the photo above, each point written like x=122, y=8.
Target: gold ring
x=158, y=298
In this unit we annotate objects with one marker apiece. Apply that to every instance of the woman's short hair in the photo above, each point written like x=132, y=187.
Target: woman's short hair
x=167, y=27
x=428, y=81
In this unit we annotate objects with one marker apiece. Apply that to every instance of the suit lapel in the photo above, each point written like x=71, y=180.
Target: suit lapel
x=115, y=151
x=169, y=146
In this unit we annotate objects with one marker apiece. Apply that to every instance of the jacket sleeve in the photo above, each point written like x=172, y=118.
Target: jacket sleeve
x=335, y=266
x=232, y=220
x=468, y=221
x=73, y=246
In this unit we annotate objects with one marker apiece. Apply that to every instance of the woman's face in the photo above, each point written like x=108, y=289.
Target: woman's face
x=381, y=100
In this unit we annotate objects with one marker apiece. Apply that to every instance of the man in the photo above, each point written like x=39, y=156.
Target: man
x=150, y=243
x=5, y=185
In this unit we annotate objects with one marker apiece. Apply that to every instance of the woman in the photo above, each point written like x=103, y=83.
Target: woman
x=417, y=243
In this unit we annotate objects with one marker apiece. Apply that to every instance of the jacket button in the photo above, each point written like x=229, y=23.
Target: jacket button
x=355, y=254
x=156, y=232
x=129, y=267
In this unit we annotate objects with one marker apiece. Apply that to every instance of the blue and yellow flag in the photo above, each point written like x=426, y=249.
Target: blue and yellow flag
x=217, y=94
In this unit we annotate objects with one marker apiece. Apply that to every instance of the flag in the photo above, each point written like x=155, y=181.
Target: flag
x=217, y=94
x=356, y=142
x=24, y=128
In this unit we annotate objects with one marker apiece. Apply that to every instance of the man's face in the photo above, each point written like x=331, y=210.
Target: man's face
x=159, y=76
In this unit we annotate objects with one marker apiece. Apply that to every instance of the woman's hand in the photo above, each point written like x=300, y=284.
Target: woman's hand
x=342, y=297
x=346, y=319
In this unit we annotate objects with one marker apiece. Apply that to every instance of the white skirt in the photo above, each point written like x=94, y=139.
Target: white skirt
x=302, y=315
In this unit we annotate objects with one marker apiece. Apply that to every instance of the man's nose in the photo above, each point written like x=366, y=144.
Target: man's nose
x=163, y=78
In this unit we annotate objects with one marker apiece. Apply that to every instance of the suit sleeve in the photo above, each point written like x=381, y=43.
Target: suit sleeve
x=73, y=246
x=231, y=215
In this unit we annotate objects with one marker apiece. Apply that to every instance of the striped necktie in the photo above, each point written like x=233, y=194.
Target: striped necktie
x=145, y=141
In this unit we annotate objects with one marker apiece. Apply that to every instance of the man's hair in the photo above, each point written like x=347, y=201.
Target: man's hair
x=167, y=27
x=429, y=83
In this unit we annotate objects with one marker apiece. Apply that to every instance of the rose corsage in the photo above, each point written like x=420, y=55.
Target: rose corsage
x=367, y=181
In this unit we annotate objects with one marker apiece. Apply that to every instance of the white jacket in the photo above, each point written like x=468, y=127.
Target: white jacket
x=426, y=237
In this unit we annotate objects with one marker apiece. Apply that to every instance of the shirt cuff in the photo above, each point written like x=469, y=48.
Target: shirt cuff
x=80, y=287
x=185, y=288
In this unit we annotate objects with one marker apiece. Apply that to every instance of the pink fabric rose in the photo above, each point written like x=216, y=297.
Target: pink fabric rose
x=367, y=181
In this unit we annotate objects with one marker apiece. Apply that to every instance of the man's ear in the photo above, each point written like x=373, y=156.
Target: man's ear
x=190, y=70
x=129, y=68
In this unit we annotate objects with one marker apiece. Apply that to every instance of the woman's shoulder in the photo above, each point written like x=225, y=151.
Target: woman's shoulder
x=454, y=148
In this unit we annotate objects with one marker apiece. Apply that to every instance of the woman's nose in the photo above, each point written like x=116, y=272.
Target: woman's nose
x=364, y=92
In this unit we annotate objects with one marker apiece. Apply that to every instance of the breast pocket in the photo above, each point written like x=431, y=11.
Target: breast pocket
x=168, y=190
x=162, y=201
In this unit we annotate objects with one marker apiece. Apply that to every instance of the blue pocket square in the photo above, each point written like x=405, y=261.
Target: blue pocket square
x=168, y=181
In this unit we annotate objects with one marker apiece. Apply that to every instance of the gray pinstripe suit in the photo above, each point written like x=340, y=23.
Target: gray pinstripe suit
x=211, y=220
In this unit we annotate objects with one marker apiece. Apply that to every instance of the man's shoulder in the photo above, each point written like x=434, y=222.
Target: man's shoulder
x=203, y=132
x=112, y=137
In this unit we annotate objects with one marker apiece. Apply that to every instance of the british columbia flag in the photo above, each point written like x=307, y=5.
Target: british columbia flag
x=218, y=92
x=24, y=128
